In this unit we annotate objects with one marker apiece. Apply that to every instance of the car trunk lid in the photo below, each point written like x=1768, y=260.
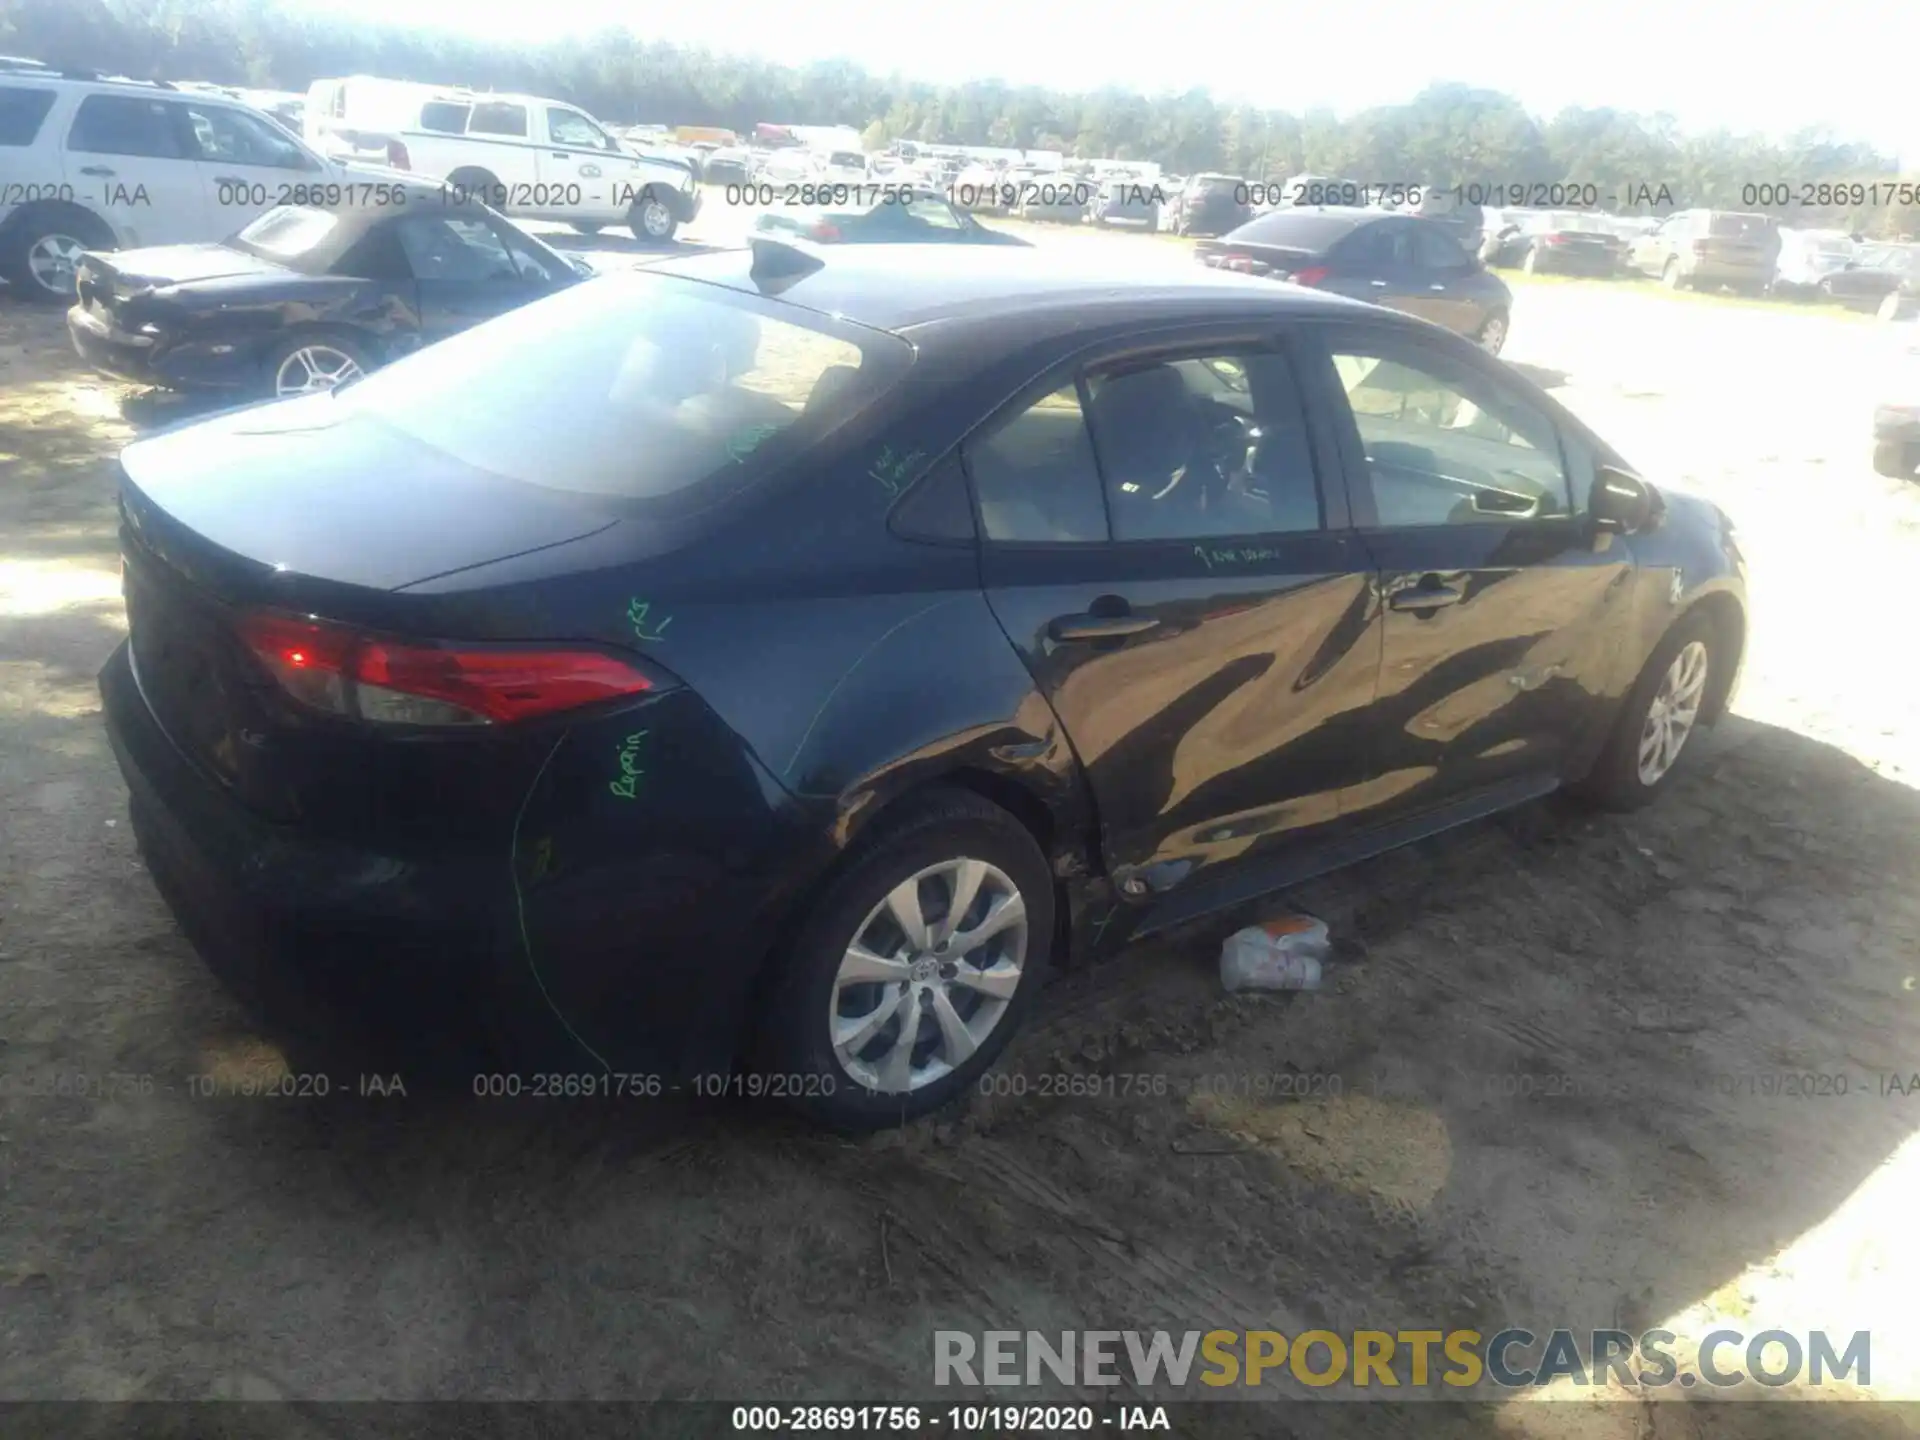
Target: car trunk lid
x=1279, y=261
x=108, y=280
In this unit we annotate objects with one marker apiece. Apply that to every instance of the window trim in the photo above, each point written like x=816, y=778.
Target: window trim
x=1186, y=340
x=1328, y=335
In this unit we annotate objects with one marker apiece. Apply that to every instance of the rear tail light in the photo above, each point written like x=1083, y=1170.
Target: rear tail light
x=1312, y=275
x=824, y=231
x=397, y=156
x=1556, y=239
x=391, y=682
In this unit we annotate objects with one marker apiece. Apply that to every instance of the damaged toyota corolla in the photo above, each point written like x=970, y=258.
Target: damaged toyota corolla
x=772, y=662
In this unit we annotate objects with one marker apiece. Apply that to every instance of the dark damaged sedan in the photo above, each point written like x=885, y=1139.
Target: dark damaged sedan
x=817, y=647
x=308, y=297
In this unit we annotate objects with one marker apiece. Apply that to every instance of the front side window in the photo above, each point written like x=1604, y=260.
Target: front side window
x=1445, y=445
x=455, y=247
x=1196, y=447
x=570, y=127
x=648, y=388
x=496, y=118
x=237, y=138
x=127, y=125
x=936, y=213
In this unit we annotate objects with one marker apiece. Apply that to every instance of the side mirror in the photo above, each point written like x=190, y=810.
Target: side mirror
x=1622, y=503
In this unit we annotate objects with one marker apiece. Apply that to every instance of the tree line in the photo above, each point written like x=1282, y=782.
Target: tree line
x=1447, y=135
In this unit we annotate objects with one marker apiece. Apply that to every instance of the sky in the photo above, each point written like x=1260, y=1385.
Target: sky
x=1844, y=65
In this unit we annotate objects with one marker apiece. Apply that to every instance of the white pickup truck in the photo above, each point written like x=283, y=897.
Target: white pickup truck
x=527, y=156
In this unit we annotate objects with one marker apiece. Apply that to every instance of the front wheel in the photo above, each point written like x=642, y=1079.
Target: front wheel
x=914, y=968
x=1671, y=276
x=41, y=259
x=652, y=220
x=1493, y=334
x=313, y=363
x=1657, y=718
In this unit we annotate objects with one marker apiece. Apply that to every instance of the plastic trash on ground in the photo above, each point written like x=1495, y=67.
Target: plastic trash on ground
x=1283, y=954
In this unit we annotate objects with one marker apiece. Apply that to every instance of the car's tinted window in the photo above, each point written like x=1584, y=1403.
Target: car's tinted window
x=936, y=213
x=235, y=137
x=1446, y=445
x=21, y=112
x=1303, y=231
x=495, y=118
x=569, y=127
x=1377, y=247
x=445, y=116
x=1034, y=474
x=1203, y=445
x=1739, y=227
x=461, y=248
x=127, y=125
x=937, y=508
x=1434, y=251
x=648, y=387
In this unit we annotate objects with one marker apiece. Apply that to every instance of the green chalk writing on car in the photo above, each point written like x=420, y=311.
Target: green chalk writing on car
x=630, y=770
x=1242, y=556
x=637, y=617
x=891, y=469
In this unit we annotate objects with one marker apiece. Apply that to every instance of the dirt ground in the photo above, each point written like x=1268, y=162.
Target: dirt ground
x=1764, y=918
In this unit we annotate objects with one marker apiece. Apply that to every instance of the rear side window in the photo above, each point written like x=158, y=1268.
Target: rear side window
x=288, y=231
x=493, y=118
x=647, y=387
x=1035, y=476
x=21, y=112
x=127, y=125
x=444, y=117
x=1740, y=227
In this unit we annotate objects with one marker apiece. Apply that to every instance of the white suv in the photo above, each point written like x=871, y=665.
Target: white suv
x=88, y=162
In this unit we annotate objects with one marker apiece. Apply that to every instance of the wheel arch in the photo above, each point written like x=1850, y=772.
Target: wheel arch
x=1729, y=619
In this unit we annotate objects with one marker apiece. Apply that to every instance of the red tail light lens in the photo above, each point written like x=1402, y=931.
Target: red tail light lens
x=824, y=231
x=398, y=157
x=1312, y=275
x=398, y=683
x=1556, y=239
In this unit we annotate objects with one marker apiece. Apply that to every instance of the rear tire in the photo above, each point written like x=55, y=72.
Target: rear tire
x=587, y=227
x=42, y=254
x=813, y=1002
x=1682, y=672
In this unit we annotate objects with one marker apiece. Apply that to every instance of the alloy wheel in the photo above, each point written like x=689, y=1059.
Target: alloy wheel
x=928, y=975
x=655, y=218
x=54, y=263
x=1672, y=713
x=313, y=369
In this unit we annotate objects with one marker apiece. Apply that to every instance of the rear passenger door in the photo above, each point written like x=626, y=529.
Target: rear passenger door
x=1158, y=542
x=1502, y=609
x=131, y=159
x=1374, y=263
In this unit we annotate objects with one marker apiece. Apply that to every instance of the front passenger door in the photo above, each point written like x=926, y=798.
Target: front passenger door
x=1502, y=610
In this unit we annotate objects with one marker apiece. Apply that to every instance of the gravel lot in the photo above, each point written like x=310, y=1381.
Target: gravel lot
x=1764, y=918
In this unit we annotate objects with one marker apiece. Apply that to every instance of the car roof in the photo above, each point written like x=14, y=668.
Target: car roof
x=971, y=290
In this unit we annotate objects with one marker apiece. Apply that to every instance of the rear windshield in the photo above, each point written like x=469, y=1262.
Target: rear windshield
x=288, y=232
x=842, y=158
x=1295, y=230
x=666, y=385
x=1741, y=227
x=21, y=112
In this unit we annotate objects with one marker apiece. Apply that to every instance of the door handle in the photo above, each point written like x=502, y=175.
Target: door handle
x=559, y=154
x=95, y=170
x=228, y=180
x=1378, y=284
x=1425, y=597
x=1099, y=627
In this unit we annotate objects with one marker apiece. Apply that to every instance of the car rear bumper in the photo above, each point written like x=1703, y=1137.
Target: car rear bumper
x=1576, y=262
x=440, y=968
x=1721, y=272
